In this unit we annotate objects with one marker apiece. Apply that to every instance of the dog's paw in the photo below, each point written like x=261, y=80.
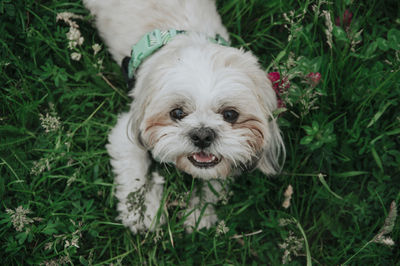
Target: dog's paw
x=207, y=220
x=153, y=215
x=140, y=211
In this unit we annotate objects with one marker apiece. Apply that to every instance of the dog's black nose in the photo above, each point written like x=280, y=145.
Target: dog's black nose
x=202, y=137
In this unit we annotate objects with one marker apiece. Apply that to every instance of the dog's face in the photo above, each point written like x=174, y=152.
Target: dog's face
x=208, y=111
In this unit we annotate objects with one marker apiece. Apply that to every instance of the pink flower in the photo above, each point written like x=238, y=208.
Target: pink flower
x=281, y=104
x=345, y=20
x=314, y=78
x=278, y=85
x=274, y=77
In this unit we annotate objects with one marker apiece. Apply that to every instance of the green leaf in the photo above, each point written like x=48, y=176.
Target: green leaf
x=316, y=145
x=306, y=140
x=393, y=38
x=329, y=130
x=323, y=182
x=10, y=10
x=382, y=44
x=50, y=229
x=278, y=111
x=308, y=27
x=308, y=130
x=350, y=174
x=339, y=34
x=21, y=237
x=315, y=126
x=83, y=261
x=280, y=56
x=277, y=60
x=308, y=252
x=2, y=188
x=6, y=220
x=330, y=138
x=316, y=63
x=382, y=109
x=377, y=158
x=371, y=49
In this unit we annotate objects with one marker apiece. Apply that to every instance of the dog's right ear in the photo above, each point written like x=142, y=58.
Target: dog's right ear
x=130, y=82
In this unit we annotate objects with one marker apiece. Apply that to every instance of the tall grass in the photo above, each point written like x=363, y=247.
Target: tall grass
x=341, y=133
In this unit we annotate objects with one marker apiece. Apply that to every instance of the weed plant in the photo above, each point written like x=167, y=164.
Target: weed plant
x=335, y=66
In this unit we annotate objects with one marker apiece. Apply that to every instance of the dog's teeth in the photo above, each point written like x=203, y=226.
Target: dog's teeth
x=199, y=158
x=203, y=160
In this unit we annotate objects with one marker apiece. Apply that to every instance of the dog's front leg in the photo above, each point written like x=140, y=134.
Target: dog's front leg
x=139, y=195
x=206, y=199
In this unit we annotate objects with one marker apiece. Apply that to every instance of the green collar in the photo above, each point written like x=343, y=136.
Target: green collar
x=154, y=40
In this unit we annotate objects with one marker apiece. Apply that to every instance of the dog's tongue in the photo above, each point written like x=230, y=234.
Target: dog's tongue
x=202, y=157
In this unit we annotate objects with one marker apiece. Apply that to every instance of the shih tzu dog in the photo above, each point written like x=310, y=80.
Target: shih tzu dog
x=198, y=104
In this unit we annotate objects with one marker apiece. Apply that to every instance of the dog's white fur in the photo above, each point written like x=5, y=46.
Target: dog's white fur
x=203, y=79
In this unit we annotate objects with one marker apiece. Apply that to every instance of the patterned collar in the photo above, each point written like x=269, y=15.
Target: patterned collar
x=153, y=41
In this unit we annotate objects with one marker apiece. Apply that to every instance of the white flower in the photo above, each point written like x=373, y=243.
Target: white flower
x=73, y=243
x=73, y=34
x=76, y=56
x=64, y=16
x=387, y=227
x=159, y=235
x=80, y=41
x=72, y=178
x=74, y=37
x=222, y=228
x=40, y=166
x=57, y=261
x=291, y=246
x=387, y=241
x=67, y=16
x=284, y=222
x=224, y=196
x=99, y=64
x=19, y=217
x=50, y=123
x=329, y=27
x=48, y=246
x=288, y=196
x=96, y=48
x=72, y=44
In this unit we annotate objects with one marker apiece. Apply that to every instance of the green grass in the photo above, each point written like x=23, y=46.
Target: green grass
x=347, y=128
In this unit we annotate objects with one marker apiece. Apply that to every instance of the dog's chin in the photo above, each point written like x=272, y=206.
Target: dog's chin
x=204, y=165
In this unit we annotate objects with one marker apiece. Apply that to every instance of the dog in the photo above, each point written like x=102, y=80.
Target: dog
x=199, y=104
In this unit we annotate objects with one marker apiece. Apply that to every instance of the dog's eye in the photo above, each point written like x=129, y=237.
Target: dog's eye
x=177, y=114
x=230, y=116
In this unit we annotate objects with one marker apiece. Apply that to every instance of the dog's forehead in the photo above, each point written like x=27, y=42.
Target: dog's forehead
x=210, y=90
x=205, y=78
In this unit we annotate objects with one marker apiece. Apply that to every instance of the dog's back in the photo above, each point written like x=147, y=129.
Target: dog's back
x=122, y=23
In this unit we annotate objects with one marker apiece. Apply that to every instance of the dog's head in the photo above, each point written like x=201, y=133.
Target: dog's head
x=207, y=109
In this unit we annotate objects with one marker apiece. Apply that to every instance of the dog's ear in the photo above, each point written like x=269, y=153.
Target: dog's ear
x=130, y=82
x=273, y=156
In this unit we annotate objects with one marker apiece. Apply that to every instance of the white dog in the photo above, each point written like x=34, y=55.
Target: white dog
x=197, y=103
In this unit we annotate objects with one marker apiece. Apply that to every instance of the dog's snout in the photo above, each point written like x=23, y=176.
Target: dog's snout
x=202, y=137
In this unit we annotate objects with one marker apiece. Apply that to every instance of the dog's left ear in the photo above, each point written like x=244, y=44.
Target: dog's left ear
x=130, y=82
x=273, y=156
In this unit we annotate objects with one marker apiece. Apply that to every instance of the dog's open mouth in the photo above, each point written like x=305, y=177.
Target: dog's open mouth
x=203, y=160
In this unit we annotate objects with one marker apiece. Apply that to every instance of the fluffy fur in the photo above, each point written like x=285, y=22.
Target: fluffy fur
x=203, y=80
